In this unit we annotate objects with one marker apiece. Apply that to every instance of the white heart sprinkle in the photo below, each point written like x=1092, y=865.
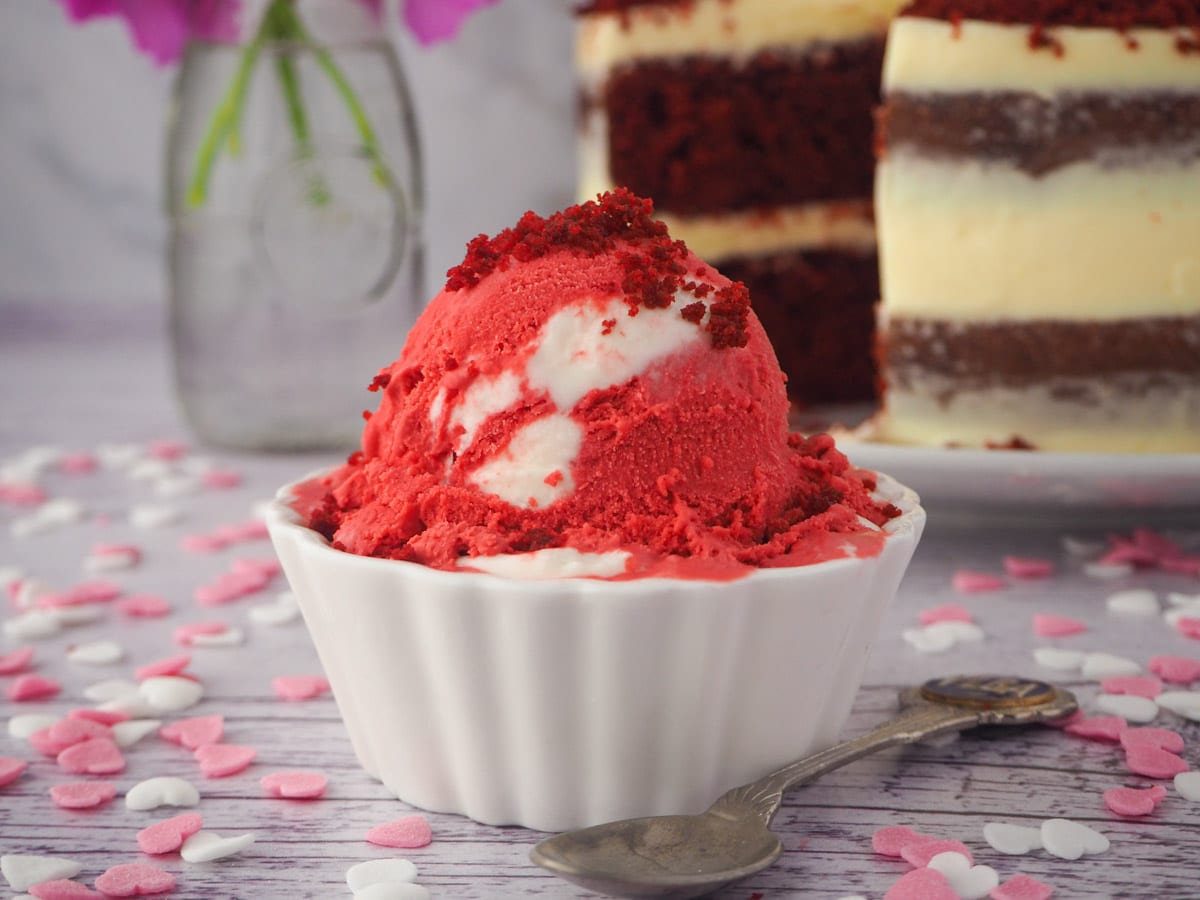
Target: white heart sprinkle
x=1098, y=666
x=24, y=725
x=29, y=591
x=62, y=511
x=1176, y=599
x=206, y=846
x=150, y=470
x=274, y=614
x=925, y=640
x=132, y=705
x=118, y=456
x=1107, y=570
x=1188, y=785
x=376, y=871
x=29, y=526
x=1135, y=709
x=230, y=637
x=961, y=631
x=126, y=734
x=1173, y=615
x=97, y=653
x=971, y=882
x=167, y=693
x=1133, y=603
x=1013, y=840
x=1071, y=840
x=76, y=615
x=1182, y=703
x=112, y=689
x=174, y=486
x=33, y=625
x=26, y=871
x=1082, y=547
x=392, y=891
x=109, y=562
x=154, y=516
x=161, y=791
x=1058, y=659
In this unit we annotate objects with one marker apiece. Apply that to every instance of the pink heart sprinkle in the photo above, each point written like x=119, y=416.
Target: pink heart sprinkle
x=891, y=840
x=11, y=769
x=299, y=687
x=172, y=665
x=166, y=448
x=1181, y=565
x=16, y=662
x=135, y=880
x=1176, y=669
x=1027, y=567
x=1098, y=728
x=221, y=478
x=67, y=733
x=21, y=494
x=221, y=760
x=108, y=717
x=265, y=566
x=250, y=530
x=98, y=756
x=1189, y=627
x=1050, y=625
x=185, y=633
x=130, y=550
x=1133, y=685
x=950, y=612
x=62, y=889
x=143, y=606
x=919, y=853
x=32, y=687
x=1162, y=738
x=922, y=884
x=1153, y=762
x=1132, y=801
x=168, y=835
x=1022, y=887
x=295, y=785
x=203, y=543
x=82, y=794
x=405, y=834
x=44, y=743
x=967, y=582
x=84, y=593
x=194, y=733
x=79, y=463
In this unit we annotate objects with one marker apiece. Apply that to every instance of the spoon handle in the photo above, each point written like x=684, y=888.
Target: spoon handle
x=762, y=798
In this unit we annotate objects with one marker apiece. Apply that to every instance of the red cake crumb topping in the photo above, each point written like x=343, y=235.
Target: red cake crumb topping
x=1116, y=14
x=619, y=222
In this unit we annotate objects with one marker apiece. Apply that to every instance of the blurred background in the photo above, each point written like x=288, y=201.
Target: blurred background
x=83, y=122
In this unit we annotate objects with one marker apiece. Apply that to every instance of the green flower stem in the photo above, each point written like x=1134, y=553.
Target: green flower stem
x=326, y=61
x=289, y=80
x=225, y=121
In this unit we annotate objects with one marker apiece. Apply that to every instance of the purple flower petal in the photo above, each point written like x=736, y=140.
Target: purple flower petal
x=215, y=20
x=375, y=8
x=82, y=10
x=159, y=27
x=438, y=20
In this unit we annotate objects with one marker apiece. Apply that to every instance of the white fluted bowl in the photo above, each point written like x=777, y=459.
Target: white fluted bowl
x=560, y=704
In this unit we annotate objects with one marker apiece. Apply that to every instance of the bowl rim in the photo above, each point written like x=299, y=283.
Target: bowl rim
x=282, y=519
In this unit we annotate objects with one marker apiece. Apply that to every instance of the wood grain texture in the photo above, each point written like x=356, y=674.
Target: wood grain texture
x=304, y=848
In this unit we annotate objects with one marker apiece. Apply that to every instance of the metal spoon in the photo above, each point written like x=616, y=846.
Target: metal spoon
x=690, y=856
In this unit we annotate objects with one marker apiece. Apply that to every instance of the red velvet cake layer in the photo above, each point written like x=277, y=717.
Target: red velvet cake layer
x=818, y=307
x=707, y=135
x=1118, y=14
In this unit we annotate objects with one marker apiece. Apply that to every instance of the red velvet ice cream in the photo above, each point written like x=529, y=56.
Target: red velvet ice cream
x=584, y=383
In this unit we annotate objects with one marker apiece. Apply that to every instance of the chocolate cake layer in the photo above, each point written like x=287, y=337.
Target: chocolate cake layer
x=706, y=134
x=1039, y=135
x=1029, y=353
x=818, y=308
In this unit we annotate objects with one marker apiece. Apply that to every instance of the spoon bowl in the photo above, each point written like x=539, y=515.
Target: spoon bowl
x=692, y=856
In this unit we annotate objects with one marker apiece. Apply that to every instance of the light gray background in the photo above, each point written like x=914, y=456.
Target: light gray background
x=82, y=127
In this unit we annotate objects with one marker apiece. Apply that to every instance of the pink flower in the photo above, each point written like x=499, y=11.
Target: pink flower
x=162, y=28
x=438, y=20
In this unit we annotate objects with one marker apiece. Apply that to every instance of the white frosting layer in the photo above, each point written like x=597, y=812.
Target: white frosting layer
x=554, y=562
x=966, y=241
x=1159, y=420
x=927, y=55
x=737, y=28
x=571, y=357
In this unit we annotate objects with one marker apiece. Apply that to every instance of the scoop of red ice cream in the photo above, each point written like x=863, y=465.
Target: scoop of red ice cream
x=585, y=382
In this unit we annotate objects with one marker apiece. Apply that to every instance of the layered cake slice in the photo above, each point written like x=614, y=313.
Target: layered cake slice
x=1038, y=198
x=749, y=122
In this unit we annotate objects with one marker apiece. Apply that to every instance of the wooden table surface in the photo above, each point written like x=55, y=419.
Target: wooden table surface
x=74, y=378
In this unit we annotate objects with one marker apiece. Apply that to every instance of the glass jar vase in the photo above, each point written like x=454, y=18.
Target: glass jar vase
x=295, y=196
